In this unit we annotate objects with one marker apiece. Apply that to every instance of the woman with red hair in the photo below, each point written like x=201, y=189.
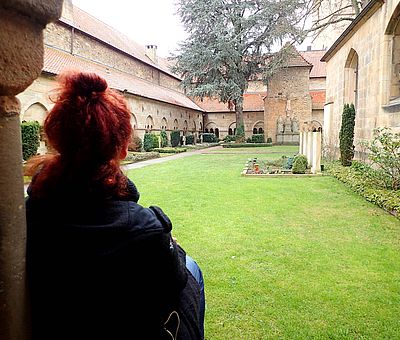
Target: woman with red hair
x=100, y=266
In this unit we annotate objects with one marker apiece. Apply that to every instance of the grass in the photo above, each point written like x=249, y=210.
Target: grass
x=282, y=258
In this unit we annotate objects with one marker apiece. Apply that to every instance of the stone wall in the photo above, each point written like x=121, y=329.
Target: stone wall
x=374, y=107
x=288, y=95
x=225, y=120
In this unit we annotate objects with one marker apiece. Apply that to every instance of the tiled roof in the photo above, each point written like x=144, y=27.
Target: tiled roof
x=94, y=27
x=55, y=61
x=314, y=58
x=317, y=97
x=251, y=102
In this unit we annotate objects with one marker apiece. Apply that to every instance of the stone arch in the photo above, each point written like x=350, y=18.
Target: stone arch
x=258, y=127
x=232, y=128
x=164, y=124
x=185, y=127
x=176, y=125
x=351, y=70
x=36, y=111
x=393, y=29
x=134, y=123
x=149, y=123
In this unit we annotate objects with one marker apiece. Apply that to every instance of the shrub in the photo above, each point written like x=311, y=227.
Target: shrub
x=30, y=134
x=299, y=164
x=355, y=178
x=164, y=139
x=385, y=153
x=248, y=140
x=175, y=137
x=258, y=138
x=289, y=163
x=346, y=134
x=209, y=138
x=245, y=145
x=134, y=157
x=190, y=139
x=150, y=141
x=170, y=150
x=135, y=144
x=229, y=138
x=269, y=140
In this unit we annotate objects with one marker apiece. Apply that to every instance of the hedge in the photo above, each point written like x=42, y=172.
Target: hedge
x=175, y=138
x=346, y=134
x=150, y=141
x=170, y=150
x=30, y=134
x=164, y=139
x=387, y=199
x=134, y=157
x=190, y=139
x=245, y=145
x=258, y=138
x=299, y=164
x=209, y=138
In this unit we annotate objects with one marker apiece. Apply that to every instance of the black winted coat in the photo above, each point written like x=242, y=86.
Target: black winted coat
x=106, y=269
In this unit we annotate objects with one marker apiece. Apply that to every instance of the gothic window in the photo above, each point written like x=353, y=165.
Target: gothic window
x=254, y=131
x=133, y=121
x=260, y=130
x=149, y=123
x=230, y=132
x=216, y=132
x=211, y=130
x=206, y=130
x=163, y=123
x=351, y=79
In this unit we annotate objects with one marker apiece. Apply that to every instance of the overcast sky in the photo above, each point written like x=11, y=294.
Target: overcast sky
x=144, y=21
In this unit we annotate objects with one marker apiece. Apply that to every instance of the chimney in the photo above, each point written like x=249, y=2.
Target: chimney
x=151, y=52
x=309, y=48
x=68, y=11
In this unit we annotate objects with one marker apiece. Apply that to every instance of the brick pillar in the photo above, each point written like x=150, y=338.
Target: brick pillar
x=21, y=50
x=316, y=152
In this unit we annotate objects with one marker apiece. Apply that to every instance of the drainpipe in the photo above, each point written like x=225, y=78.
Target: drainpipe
x=21, y=48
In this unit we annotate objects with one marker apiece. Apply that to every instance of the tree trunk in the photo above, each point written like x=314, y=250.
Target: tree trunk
x=240, y=134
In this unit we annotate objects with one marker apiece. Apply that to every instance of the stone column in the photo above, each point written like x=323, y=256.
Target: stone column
x=309, y=148
x=301, y=143
x=316, y=152
x=21, y=50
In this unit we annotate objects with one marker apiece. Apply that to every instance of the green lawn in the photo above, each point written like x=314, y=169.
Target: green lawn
x=291, y=258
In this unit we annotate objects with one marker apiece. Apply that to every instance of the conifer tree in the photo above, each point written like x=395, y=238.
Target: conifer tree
x=228, y=43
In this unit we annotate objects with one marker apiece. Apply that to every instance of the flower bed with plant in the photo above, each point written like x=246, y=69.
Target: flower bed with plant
x=170, y=150
x=296, y=165
x=134, y=157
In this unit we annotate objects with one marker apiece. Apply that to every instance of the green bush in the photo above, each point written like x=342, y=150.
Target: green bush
x=248, y=140
x=229, y=138
x=30, y=134
x=190, y=139
x=170, y=150
x=134, y=157
x=175, y=137
x=164, y=139
x=346, y=134
x=299, y=164
x=245, y=145
x=288, y=163
x=355, y=178
x=258, y=138
x=209, y=138
x=135, y=144
x=269, y=140
x=150, y=141
x=384, y=151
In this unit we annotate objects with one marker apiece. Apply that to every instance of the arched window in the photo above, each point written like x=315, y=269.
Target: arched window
x=254, y=131
x=393, y=30
x=351, y=79
x=260, y=130
x=185, y=127
x=149, y=123
x=211, y=130
x=164, y=123
x=206, y=130
x=35, y=112
x=216, y=132
x=133, y=121
x=230, y=132
x=232, y=128
x=176, y=126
